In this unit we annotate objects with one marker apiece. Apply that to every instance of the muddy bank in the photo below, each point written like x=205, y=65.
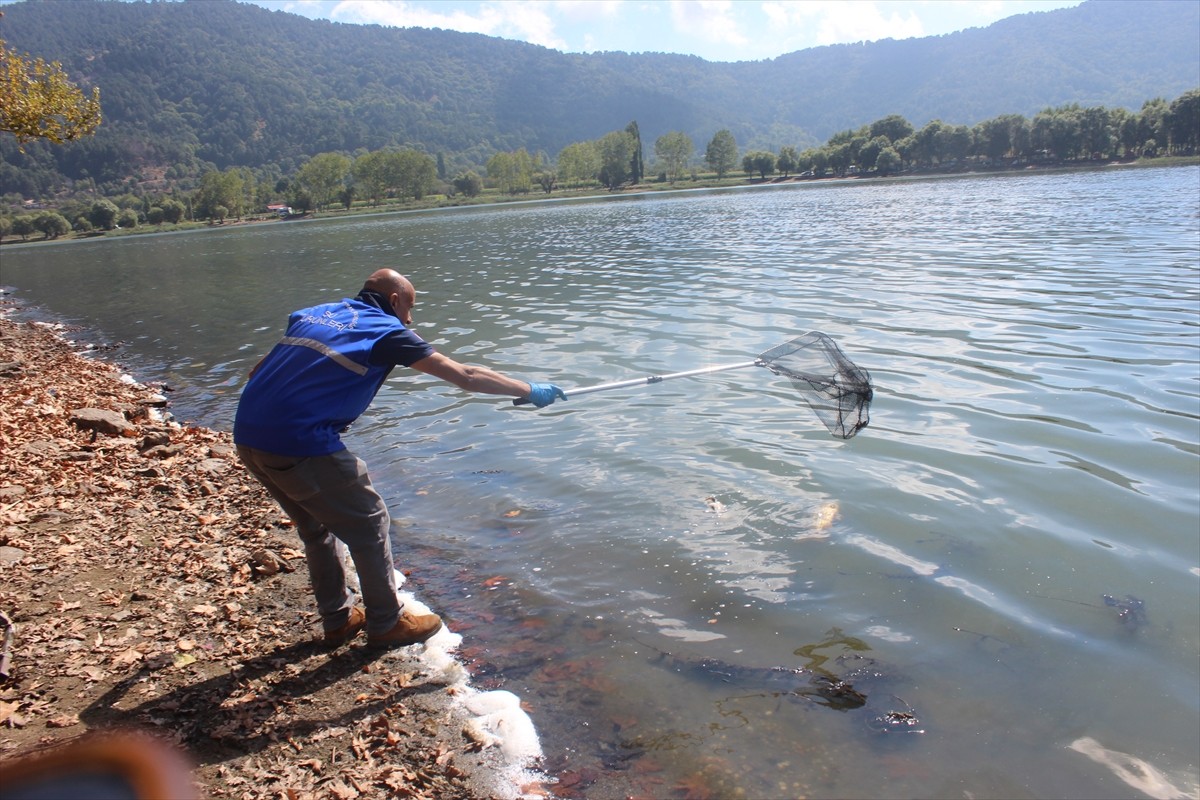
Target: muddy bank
x=152, y=584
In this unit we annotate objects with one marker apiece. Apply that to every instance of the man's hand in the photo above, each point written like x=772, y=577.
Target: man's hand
x=543, y=394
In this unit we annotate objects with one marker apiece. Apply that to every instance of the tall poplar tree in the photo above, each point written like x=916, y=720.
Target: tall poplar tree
x=637, y=168
x=722, y=153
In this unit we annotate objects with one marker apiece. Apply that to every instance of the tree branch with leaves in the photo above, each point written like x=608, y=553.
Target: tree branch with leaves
x=39, y=101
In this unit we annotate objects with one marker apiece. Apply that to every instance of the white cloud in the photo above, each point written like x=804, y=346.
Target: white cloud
x=313, y=9
x=584, y=10
x=823, y=22
x=987, y=9
x=526, y=20
x=710, y=20
x=531, y=23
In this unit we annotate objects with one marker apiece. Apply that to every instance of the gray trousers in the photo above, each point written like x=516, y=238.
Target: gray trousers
x=331, y=496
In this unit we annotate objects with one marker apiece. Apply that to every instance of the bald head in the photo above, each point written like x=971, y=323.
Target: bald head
x=397, y=289
x=388, y=282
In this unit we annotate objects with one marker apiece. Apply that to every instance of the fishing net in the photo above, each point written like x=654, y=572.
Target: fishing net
x=835, y=388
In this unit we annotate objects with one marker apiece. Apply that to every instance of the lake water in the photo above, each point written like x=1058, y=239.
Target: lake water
x=1005, y=566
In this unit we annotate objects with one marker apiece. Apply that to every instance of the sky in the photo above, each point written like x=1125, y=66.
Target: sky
x=715, y=30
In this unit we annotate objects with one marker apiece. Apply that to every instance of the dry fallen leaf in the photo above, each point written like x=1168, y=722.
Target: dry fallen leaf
x=341, y=790
x=9, y=715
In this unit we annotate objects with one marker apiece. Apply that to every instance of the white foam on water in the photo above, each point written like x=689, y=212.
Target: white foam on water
x=496, y=719
x=499, y=717
x=1136, y=772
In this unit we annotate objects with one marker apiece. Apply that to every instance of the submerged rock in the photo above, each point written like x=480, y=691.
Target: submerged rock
x=1131, y=611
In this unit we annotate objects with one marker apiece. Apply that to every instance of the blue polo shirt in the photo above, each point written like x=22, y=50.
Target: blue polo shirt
x=322, y=375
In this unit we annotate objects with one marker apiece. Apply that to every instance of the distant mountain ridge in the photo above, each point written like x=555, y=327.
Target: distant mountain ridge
x=237, y=85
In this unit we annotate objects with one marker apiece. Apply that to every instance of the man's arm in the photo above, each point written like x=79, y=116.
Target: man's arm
x=471, y=378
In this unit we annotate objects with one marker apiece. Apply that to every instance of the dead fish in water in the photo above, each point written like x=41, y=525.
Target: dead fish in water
x=826, y=515
x=821, y=522
x=832, y=686
x=714, y=505
x=1131, y=611
x=1134, y=771
x=822, y=687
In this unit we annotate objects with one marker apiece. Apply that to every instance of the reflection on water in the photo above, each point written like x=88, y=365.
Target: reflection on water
x=1034, y=451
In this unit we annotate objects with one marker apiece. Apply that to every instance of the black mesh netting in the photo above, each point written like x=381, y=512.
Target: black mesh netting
x=833, y=386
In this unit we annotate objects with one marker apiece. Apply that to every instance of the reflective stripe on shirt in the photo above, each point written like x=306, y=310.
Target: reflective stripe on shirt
x=327, y=351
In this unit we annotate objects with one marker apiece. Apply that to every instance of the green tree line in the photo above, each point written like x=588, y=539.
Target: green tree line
x=1064, y=134
x=890, y=145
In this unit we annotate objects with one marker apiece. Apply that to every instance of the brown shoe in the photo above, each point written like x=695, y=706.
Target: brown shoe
x=339, y=636
x=409, y=629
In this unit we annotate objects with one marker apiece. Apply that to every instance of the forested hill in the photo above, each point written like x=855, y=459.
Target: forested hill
x=184, y=83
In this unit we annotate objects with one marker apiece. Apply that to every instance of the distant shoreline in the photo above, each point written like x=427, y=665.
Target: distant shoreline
x=443, y=202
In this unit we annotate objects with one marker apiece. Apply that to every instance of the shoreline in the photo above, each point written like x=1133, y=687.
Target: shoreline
x=642, y=189
x=152, y=584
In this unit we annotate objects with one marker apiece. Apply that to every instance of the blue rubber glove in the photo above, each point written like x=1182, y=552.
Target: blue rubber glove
x=543, y=394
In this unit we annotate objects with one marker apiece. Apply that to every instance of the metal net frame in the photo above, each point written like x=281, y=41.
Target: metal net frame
x=836, y=389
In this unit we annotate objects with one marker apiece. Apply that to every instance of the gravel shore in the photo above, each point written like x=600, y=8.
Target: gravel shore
x=151, y=584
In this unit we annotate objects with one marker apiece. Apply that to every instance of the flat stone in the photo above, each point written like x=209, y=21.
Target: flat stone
x=213, y=466
x=100, y=420
x=156, y=439
x=11, y=555
x=163, y=451
x=41, y=448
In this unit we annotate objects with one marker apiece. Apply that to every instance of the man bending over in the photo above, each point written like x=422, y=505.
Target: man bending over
x=314, y=383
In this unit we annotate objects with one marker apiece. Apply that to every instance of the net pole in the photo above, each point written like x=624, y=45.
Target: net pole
x=604, y=387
